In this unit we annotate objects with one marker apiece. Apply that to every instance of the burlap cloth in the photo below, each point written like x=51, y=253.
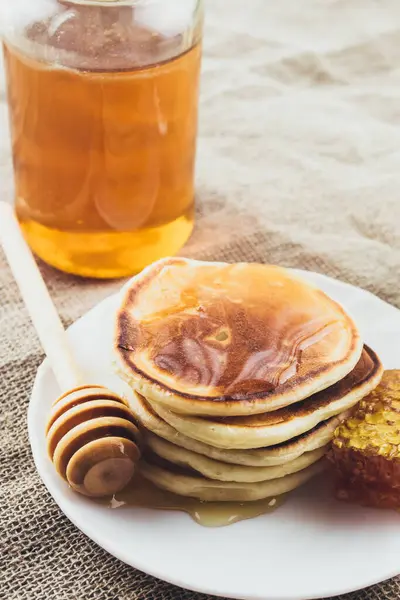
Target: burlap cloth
x=298, y=164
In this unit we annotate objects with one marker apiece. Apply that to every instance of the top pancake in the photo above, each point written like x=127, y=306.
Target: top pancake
x=219, y=339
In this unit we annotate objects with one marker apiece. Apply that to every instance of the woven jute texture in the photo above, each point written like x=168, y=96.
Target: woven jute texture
x=298, y=164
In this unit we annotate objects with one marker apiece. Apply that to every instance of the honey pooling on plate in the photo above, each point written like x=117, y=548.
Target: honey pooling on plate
x=366, y=449
x=141, y=493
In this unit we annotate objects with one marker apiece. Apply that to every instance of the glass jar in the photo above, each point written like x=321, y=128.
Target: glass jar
x=103, y=99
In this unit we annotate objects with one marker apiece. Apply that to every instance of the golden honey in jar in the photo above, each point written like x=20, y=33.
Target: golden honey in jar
x=103, y=102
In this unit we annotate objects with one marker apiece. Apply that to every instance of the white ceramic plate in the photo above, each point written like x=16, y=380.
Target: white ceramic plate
x=312, y=547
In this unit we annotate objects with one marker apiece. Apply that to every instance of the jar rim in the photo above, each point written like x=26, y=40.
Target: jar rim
x=113, y=2
x=110, y=2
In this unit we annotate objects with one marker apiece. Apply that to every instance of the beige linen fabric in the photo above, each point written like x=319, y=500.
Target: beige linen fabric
x=298, y=164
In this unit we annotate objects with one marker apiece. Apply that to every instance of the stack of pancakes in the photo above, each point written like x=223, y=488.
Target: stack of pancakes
x=241, y=373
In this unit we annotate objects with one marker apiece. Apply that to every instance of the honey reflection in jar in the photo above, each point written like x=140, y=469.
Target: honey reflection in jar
x=104, y=160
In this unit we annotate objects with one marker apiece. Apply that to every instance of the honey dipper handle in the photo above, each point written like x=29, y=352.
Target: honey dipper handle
x=37, y=300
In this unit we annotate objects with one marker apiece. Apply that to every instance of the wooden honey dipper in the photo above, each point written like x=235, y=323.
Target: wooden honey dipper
x=92, y=435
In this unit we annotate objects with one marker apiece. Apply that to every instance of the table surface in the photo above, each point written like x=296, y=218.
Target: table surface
x=298, y=164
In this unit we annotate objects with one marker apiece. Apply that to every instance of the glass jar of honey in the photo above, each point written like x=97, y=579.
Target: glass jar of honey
x=103, y=102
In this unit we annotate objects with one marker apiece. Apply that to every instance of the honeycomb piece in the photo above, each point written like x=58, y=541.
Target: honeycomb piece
x=366, y=448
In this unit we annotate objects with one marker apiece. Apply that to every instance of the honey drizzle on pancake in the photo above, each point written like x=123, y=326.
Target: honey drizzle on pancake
x=217, y=344
x=228, y=331
x=143, y=494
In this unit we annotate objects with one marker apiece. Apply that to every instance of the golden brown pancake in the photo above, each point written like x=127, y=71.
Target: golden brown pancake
x=217, y=339
x=279, y=454
x=267, y=429
x=186, y=483
x=221, y=471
